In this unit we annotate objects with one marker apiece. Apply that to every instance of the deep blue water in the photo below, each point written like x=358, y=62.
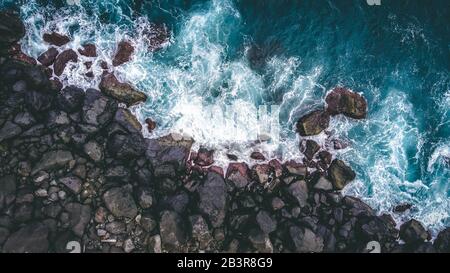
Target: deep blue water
x=396, y=54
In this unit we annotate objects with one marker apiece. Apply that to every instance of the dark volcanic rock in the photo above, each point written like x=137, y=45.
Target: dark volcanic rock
x=313, y=123
x=238, y=174
x=7, y=189
x=32, y=238
x=412, y=232
x=200, y=231
x=61, y=61
x=123, y=53
x=9, y=130
x=73, y=183
x=56, y=39
x=266, y=222
x=52, y=160
x=48, y=57
x=127, y=120
x=80, y=215
x=126, y=146
x=93, y=150
x=123, y=92
x=304, y=240
x=213, y=198
x=88, y=50
x=344, y=101
x=340, y=174
x=299, y=191
x=204, y=157
x=402, y=208
x=442, y=242
x=120, y=203
x=70, y=99
x=98, y=109
x=37, y=101
x=156, y=36
x=11, y=28
x=309, y=148
x=172, y=231
x=260, y=241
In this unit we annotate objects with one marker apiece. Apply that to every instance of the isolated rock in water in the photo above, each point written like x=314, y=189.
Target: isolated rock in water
x=151, y=124
x=88, y=50
x=11, y=28
x=313, y=123
x=340, y=174
x=61, y=61
x=122, y=92
x=344, y=101
x=305, y=240
x=56, y=39
x=123, y=54
x=156, y=36
x=52, y=160
x=257, y=156
x=120, y=203
x=412, y=232
x=402, y=208
x=309, y=148
x=31, y=238
x=213, y=198
x=48, y=57
x=172, y=231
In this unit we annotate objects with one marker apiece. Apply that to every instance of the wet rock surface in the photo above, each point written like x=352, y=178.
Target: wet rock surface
x=74, y=166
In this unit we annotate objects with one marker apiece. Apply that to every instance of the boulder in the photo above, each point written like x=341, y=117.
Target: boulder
x=9, y=130
x=172, y=231
x=323, y=184
x=88, y=50
x=24, y=119
x=123, y=53
x=340, y=174
x=73, y=183
x=260, y=241
x=299, y=192
x=80, y=215
x=266, y=222
x=37, y=101
x=344, y=101
x=412, y=232
x=257, y=156
x=48, y=57
x=56, y=39
x=238, y=174
x=32, y=238
x=309, y=148
x=313, y=123
x=120, y=202
x=123, y=92
x=127, y=120
x=70, y=99
x=97, y=109
x=126, y=146
x=52, y=160
x=297, y=169
x=442, y=242
x=62, y=59
x=204, y=157
x=11, y=28
x=94, y=150
x=200, y=231
x=305, y=240
x=213, y=198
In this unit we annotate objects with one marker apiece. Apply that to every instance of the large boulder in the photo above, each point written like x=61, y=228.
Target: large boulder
x=304, y=240
x=88, y=50
x=52, y=160
x=48, y=57
x=238, y=174
x=127, y=120
x=213, y=198
x=413, y=232
x=80, y=215
x=11, y=29
x=56, y=39
x=123, y=92
x=340, y=174
x=32, y=238
x=70, y=99
x=309, y=148
x=120, y=202
x=63, y=59
x=442, y=242
x=313, y=123
x=172, y=231
x=98, y=109
x=123, y=53
x=299, y=192
x=344, y=101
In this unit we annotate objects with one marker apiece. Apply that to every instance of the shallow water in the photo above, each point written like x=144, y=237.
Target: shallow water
x=209, y=83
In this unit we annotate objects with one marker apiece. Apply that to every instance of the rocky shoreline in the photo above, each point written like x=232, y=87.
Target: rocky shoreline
x=75, y=166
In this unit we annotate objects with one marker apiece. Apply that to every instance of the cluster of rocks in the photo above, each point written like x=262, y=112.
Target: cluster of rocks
x=74, y=166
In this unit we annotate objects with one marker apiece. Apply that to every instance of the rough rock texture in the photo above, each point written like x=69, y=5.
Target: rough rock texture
x=55, y=38
x=63, y=59
x=344, y=101
x=313, y=123
x=122, y=92
x=123, y=54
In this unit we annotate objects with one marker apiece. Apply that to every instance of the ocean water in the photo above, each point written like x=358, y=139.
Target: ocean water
x=228, y=61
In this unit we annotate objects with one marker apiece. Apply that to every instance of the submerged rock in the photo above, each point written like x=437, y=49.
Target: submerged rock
x=344, y=101
x=123, y=53
x=123, y=92
x=313, y=123
x=55, y=38
x=156, y=36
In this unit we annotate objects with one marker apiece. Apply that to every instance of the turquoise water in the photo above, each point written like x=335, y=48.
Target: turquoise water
x=396, y=54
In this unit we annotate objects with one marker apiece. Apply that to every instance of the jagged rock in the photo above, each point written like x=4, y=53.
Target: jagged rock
x=304, y=240
x=88, y=50
x=55, y=38
x=357, y=207
x=148, y=222
x=296, y=169
x=402, y=208
x=52, y=160
x=204, y=157
x=9, y=130
x=117, y=172
x=344, y=101
x=325, y=157
x=123, y=53
x=48, y=57
x=238, y=174
x=151, y=124
x=32, y=238
x=123, y=92
x=262, y=172
x=11, y=28
x=93, y=150
x=266, y=222
x=70, y=99
x=309, y=148
x=313, y=123
x=116, y=227
x=412, y=232
x=72, y=183
x=299, y=191
x=57, y=119
x=98, y=110
x=80, y=215
x=213, y=198
x=120, y=202
x=62, y=59
x=126, y=146
x=323, y=184
x=340, y=174
x=24, y=119
x=16, y=53
x=277, y=203
x=442, y=242
x=127, y=120
x=200, y=231
x=172, y=231
x=260, y=241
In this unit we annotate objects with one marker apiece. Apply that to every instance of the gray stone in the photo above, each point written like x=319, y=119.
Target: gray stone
x=213, y=198
x=304, y=240
x=172, y=231
x=32, y=238
x=120, y=202
x=73, y=183
x=52, y=160
x=80, y=215
x=299, y=191
x=9, y=130
x=93, y=150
